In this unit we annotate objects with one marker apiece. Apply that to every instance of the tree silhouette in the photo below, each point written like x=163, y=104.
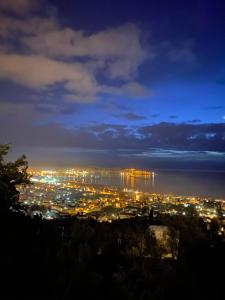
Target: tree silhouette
x=11, y=175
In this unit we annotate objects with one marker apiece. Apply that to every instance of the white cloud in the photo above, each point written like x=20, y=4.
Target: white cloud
x=47, y=54
x=67, y=42
x=117, y=51
x=120, y=48
x=40, y=72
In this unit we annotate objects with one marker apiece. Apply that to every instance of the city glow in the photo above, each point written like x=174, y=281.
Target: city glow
x=76, y=192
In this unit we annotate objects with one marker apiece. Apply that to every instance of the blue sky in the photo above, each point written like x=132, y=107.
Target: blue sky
x=69, y=67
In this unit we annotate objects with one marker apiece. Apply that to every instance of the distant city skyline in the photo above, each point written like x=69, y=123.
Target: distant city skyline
x=114, y=83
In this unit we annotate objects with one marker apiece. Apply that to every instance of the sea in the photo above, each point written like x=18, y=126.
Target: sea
x=180, y=182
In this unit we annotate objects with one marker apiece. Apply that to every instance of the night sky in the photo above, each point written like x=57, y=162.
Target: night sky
x=114, y=83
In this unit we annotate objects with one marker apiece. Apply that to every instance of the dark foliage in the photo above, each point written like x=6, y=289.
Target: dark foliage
x=11, y=174
x=84, y=259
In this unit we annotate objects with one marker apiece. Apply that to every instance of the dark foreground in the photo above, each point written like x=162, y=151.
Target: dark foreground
x=83, y=259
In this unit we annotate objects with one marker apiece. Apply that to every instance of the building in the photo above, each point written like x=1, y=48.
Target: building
x=166, y=239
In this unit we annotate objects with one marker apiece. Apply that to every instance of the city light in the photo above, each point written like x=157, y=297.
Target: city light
x=64, y=193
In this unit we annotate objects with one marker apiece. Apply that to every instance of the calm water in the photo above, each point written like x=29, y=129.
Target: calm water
x=211, y=184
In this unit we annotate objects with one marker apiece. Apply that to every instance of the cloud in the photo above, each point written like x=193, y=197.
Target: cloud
x=39, y=72
x=68, y=42
x=119, y=48
x=183, y=154
x=173, y=117
x=55, y=108
x=121, y=51
x=182, y=53
x=17, y=28
x=20, y=123
x=194, y=121
x=48, y=54
x=154, y=115
x=86, y=65
x=19, y=7
x=131, y=117
x=132, y=88
x=207, y=137
x=136, y=89
x=112, y=107
x=110, y=137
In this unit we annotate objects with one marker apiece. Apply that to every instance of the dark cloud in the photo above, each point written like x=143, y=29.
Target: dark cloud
x=190, y=137
x=132, y=117
x=173, y=117
x=19, y=7
x=49, y=108
x=109, y=144
x=194, y=121
x=154, y=115
x=116, y=107
x=112, y=107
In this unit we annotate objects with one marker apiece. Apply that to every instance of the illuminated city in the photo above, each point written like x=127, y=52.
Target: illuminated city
x=55, y=194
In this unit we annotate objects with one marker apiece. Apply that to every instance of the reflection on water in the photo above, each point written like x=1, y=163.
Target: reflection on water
x=136, y=182
x=175, y=182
